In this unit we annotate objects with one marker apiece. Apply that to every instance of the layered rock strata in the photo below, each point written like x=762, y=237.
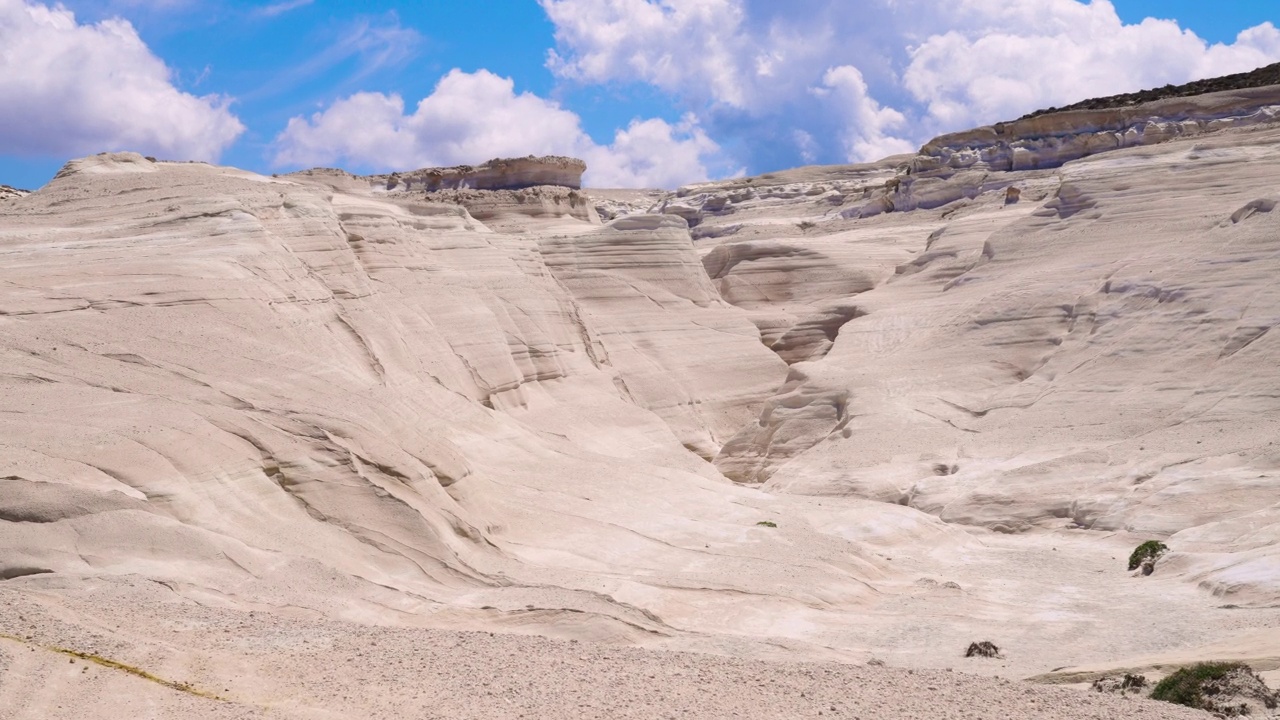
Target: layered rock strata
x=1049, y=141
x=497, y=174
x=231, y=405
x=1262, y=77
x=1090, y=350
x=963, y=165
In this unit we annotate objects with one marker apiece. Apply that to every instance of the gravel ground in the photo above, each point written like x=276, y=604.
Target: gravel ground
x=266, y=665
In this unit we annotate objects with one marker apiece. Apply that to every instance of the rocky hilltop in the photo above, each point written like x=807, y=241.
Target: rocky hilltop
x=500, y=190
x=324, y=445
x=1048, y=141
x=1262, y=77
x=497, y=174
x=9, y=193
x=964, y=165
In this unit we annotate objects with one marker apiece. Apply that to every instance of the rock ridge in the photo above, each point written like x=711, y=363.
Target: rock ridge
x=496, y=174
x=8, y=193
x=1051, y=140
x=963, y=165
x=1263, y=76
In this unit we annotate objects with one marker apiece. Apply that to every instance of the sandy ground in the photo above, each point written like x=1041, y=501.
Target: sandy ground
x=271, y=666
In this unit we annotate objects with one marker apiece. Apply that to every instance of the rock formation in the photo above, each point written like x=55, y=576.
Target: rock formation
x=1048, y=141
x=973, y=326
x=9, y=193
x=1262, y=77
x=501, y=189
x=497, y=174
x=961, y=166
x=277, y=440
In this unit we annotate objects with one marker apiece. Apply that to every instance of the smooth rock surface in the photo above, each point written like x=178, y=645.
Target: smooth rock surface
x=304, y=442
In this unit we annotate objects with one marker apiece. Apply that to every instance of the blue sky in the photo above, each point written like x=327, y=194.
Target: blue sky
x=649, y=92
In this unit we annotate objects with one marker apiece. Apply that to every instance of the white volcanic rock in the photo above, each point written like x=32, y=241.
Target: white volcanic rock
x=257, y=433
x=501, y=190
x=912, y=365
x=1099, y=359
x=785, y=286
x=612, y=204
x=1048, y=141
x=806, y=191
x=640, y=275
x=763, y=249
x=543, y=201
x=10, y=193
x=281, y=380
x=959, y=166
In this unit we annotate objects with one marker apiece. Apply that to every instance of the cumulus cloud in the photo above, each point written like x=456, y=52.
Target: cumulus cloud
x=472, y=117
x=866, y=128
x=833, y=82
x=69, y=88
x=651, y=41
x=651, y=153
x=1009, y=61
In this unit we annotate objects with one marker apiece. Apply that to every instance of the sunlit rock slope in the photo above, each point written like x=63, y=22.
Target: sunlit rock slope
x=827, y=414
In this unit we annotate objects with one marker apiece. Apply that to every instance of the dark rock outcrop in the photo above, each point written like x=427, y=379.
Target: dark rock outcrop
x=497, y=174
x=1263, y=76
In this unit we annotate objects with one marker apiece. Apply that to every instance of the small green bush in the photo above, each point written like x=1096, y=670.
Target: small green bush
x=1185, y=686
x=768, y=523
x=1150, y=549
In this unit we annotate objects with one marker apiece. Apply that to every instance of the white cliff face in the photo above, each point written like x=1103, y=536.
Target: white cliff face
x=1049, y=141
x=872, y=281
x=963, y=165
x=278, y=374
x=828, y=413
x=642, y=272
x=1089, y=349
x=500, y=191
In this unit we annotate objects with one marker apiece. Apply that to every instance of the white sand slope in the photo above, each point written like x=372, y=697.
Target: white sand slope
x=303, y=443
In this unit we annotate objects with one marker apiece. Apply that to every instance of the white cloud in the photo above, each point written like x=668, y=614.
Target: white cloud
x=279, y=8
x=866, y=127
x=649, y=41
x=472, y=117
x=832, y=80
x=468, y=118
x=1011, y=62
x=651, y=153
x=68, y=88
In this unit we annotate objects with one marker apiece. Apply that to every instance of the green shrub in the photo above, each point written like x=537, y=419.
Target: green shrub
x=768, y=523
x=1150, y=549
x=1186, y=685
